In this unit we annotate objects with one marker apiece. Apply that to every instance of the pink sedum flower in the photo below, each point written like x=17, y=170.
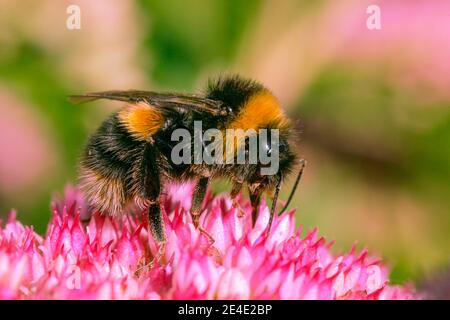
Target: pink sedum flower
x=111, y=258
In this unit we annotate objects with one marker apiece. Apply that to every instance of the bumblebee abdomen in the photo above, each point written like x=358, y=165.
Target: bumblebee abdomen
x=107, y=172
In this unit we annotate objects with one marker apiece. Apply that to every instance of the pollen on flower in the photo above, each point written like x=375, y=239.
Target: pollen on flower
x=109, y=258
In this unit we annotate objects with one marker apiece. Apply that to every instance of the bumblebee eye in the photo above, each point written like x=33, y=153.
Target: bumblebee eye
x=226, y=109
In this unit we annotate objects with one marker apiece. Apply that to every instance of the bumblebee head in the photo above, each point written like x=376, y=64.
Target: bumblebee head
x=254, y=107
x=277, y=159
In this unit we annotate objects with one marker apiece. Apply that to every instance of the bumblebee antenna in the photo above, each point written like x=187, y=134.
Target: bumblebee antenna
x=294, y=187
x=274, y=203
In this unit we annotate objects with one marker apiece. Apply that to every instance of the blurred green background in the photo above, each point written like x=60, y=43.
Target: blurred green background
x=372, y=105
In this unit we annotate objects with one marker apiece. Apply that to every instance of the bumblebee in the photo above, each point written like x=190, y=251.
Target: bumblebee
x=129, y=158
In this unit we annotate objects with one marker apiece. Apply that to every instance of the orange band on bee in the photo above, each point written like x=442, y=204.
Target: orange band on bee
x=261, y=111
x=258, y=112
x=142, y=120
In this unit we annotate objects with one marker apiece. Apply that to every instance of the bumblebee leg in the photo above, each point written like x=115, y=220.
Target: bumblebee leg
x=156, y=221
x=197, y=200
x=274, y=204
x=237, y=186
x=196, y=210
x=255, y=199
x=151, y=190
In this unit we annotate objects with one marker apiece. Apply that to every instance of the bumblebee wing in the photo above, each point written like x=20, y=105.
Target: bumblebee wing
x=161, y=100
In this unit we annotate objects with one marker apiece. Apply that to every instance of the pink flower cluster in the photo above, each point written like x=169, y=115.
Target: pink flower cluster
x=112, y=258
